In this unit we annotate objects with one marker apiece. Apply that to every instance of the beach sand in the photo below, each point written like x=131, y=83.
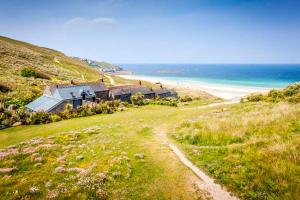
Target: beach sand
x=228, y=92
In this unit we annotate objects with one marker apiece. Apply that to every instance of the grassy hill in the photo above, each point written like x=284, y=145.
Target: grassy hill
x=16, y=56
x=251, y=148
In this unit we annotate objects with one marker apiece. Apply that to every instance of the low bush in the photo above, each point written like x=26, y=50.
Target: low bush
x=185, y=99
x=165, y=102
x=255, y=97
x=4, y=88
x=17, y=102
x=137, y=99
x=30, y=72
x=295, y=98
x=8, y=117
x=40, y=117
x=290, y=94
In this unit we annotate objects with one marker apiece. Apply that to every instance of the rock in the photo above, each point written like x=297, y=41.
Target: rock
x=17, y=124
x=59, y=169
x=9, y=152
x=7, y=170
x=76, y=169
x=34, y=190
x=12, y=147
x=102, y=176
x=80, y=157
x=126, y=158
x=48, y=184
x=37, y=164
x=139, y=155
x=38, y=159
x=196, y=152
x=116, y=174
x=12, y=107
x=61, y=159
x=29, y=150
x=52, y=194
x=6, y=177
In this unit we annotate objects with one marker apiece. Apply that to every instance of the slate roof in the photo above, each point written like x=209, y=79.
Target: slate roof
x=56, y=95
x=44, y=103
x=130, y=89
x=96, y=86
x=161, y=91
x=73, y=92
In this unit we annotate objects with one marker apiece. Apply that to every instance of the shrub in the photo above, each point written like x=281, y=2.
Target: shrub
x=4, y=88
x=96, y=108
x=290, y=94
x=137, y=99
x=40, y=117
x=29, y=72
x=2, y=107
x=55, y=118
x=17, y=102
x=166, y=102
x=292, y=89
x=295, y=98
x=185, y=99
x=105, y=108
x=255, y=97
x=275, y=96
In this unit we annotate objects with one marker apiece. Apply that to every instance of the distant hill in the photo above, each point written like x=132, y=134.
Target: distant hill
x=53, y=67
x=102, y=66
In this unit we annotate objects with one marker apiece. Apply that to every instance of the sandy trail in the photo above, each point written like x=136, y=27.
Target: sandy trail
x=112, y=81
x=206, y=183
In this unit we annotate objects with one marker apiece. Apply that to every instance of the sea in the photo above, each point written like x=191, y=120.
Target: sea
x=229, y=81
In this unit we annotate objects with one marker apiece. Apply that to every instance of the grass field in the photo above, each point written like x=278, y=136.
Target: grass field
x=122, y=146
x=251, y=148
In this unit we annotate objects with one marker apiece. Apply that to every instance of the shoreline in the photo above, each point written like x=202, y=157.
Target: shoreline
x=227, y=92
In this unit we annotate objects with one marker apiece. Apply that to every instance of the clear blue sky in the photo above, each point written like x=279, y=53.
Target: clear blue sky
x=165, y=31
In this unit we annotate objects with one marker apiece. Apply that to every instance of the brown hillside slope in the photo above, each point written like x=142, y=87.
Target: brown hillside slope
x=17, y=55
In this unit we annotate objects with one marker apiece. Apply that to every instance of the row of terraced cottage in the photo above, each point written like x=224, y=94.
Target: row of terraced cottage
x=56, y=97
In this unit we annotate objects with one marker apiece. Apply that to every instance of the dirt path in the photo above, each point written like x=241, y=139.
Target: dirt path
x=206, y=183
x=112, y=81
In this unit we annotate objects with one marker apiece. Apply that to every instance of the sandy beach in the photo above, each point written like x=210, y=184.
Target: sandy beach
x=228, y=92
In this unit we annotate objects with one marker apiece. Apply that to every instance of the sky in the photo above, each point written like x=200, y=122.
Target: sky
x=165, y=31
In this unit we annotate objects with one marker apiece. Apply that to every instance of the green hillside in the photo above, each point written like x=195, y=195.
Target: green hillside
x=54, y=66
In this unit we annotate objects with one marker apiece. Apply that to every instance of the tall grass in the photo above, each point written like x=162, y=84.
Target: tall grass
x=252, y=148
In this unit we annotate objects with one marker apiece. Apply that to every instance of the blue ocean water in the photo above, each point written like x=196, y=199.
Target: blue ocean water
x=253, y=75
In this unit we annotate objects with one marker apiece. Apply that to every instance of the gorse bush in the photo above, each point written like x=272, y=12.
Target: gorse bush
x=4, y=88
x=291, y=94
x=29, y=72
x=255, y=97
x=166, y=102
x=40, y=117
x=185, y=99
x=294, y=99
x=137, y=99
x=22, y=116
x=9, y=117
